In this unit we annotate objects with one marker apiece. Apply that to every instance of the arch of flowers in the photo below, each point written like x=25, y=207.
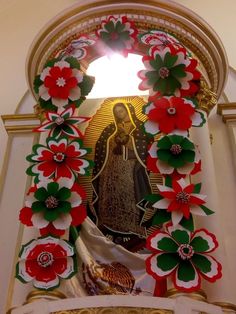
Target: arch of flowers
x=56, y=201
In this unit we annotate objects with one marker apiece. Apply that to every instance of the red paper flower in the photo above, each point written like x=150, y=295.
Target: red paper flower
x=181, y=200
x=62, y=123
x=59, y=159
x=44, y=261
x=52, y=209
x=77, y=48
x=172, y=115
x=160, y=40
x=60, y=83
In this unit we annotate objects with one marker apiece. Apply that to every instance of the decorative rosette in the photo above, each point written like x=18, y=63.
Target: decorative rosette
x=77, y=48
x=178, y=203
x=44, y=261
x=59, y=124
x=173, y=155
x=61, y=84
x=53, y=207
x=118, y=34
x=59, y=159
x=169, y=73
x=183, y=256
x=160, y=40
x=172, y=115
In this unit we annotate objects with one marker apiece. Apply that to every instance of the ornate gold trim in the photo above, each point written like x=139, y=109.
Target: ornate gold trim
x=115, y=310
x=206, y=98
x=211, y=47
x=36, y=295
x=199, y=295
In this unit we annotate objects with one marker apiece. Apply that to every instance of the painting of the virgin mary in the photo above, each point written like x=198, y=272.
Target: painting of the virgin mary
x=120, y=180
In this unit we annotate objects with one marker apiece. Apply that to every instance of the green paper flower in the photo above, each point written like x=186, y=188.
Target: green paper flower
x=184, y=255
x=52, y=201
x=175, y=150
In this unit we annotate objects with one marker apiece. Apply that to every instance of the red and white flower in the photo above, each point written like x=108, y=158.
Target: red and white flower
x=180, y=200
x=63, y=123
x=184, y=256
x=172, y=115
x=77, y=48
x=160, y=40
x=61, y=215
x=60, y=84
x=59, y=159
x=45, y=261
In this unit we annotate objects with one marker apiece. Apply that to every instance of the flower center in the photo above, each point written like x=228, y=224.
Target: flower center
x=185, y=251
x=59, y=157
x=164, y=72
x=60, y=82
x=176, y=149
x=114, y=36
x=59, y=120
x=51, y=202
x=171, y=111
x=45, y=259
x=182, y=197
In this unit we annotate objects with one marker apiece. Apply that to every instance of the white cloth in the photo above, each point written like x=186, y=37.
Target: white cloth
x=107, y=268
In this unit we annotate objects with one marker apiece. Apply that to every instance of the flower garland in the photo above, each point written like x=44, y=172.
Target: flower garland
x=56, y=200
x=172, y=79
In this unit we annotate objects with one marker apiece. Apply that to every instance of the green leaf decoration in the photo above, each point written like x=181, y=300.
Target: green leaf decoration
x=164, y=142
x=51, y=215
x=164, y=154
x=169, y=60
x=187, y=223
x=186, y=144
x=186, y=271
x=158, y=63
x=110, y=27
x=168, y=181
x=178, y=71
x=199, y=244
x=202, y=263
x=197, y=188
x=181, y=236
x=167, y=245
x=161, y=85
x=37, y=83
x=152, y=76
x=64, y=207
x=41, y=194
x=52, y=188
x=38, y=207
x=87, y=84
x=161, y=217
x=73, y=62
x=63, y=194
x=206, y=210
x=167, y=261
x=51, y=62
x=153, y=198
x=188, y=155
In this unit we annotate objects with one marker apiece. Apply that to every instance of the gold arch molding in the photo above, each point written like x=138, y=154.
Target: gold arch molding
x=85, y=17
